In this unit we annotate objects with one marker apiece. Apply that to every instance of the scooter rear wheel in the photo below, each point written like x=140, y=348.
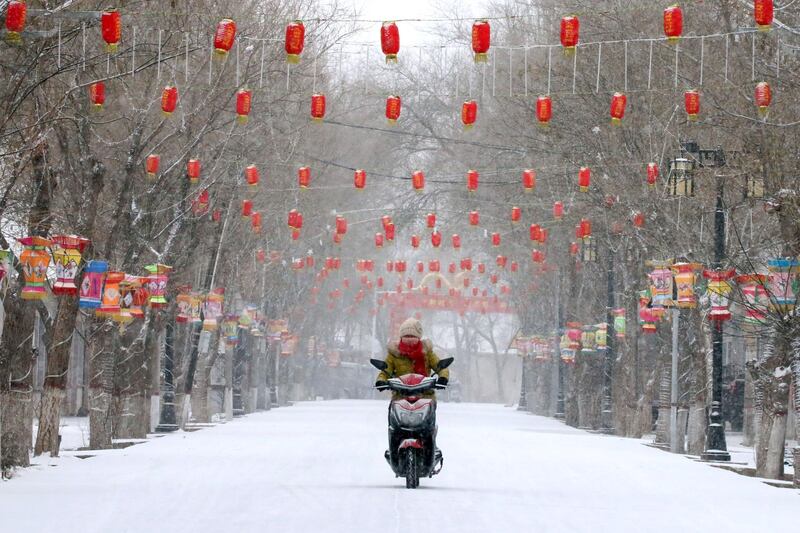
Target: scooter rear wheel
x=412, y=472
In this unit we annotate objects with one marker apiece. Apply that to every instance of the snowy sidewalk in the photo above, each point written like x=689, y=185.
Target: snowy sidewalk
x=319, y=468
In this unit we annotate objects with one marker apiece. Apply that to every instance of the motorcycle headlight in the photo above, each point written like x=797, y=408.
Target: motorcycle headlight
x=409, y=418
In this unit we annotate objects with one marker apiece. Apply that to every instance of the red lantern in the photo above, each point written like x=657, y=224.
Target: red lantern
x=570, y=33
x=415, y=240
x=502, y=261
x=304, y=177
x=309, y=261
x=469, y=113
x=379, y=240
x=418, y=180
x=389, y=266
x=169, y=100
x=152, y=163
x=652, y=174
x=451, y=268
x=111, y=28
x=573, y=249
x=317, y=107
x=393, y=108
x=341, y=225
x=15, y=20
x=434, y=266
x=360, y=179
x=193, y=170
x=466, y=264
x=247, y=208
x=216, y=215
x=586, y=228
x=225, y=36
x=420, y=267
x=261, y=256
x=514, y=266
x=638, y=219
x=494, y=279
x=295, y=235
x=472, y=180
x=763, y=97
x=431, y=220
x=251, y=175
x=618, y=103
x=474, y=218
x=529, y=180
x=673, y=23
x=764, y=13
x=516, y=214
x=295, y=40
x=558, y=210
x=543, y=236
x=390, y=41
x=535, y=232
x=537, y=256
x=481, y=268
x=97, y=94
x=244, y=100
x=255, y=222
x=495, y=239
x=481, y=40
x=390, y=231
x=456, y=241
x=544, y=110
x=584, y=178
x=436, y=239
x=200, y=205
x=293, y=219
x=691, y=100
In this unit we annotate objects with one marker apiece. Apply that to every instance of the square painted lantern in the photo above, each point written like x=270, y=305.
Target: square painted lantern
x=91, y=293
x=35, y=260
x=67, y=253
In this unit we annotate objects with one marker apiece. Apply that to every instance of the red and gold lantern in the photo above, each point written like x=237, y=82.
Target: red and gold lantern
x=251, y=175
x=169, y=100
x=97, y=94
x=638, y=219
x=558, y=210
x=516, y=214
x=390, y=41
x=502, y=261
x=763, y=13
x=431, y=220
x=496, y=239
x=394, y=105
x=418, y=180
x=434, y=266
x=216, y=215
x=341, y=225
x=255, y=222
x=472, y=180
x=652, y=174
x=469, y=113
x=415, y=241
x=295, y=41
x=543, y=236
x=224, y=37
x=360, y=179
x=193, y=170
x=317, y=107
x=673, y=23
x=585, y=228
x=111, y=28
x=244, y=102
x=379, y=240
x=436, y=239
x=304, y=177
x=537, y=256
x=247, y=208
x=691, y=102
x=390, y=231
x=529, y=180
x=474, y=218
x=481, y=40
x=67, y=255
x=152, y=163
x=456, y=241
x=584, y=178
x=618, y=103
x=16, y=14
x=570, y=33
x=763, y=97
x=544, y=110
x=535, y=232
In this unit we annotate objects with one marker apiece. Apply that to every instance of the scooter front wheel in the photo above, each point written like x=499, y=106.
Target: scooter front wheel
x=412, y=468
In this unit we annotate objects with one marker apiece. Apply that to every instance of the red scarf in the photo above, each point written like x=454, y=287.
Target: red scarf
x=417, y=355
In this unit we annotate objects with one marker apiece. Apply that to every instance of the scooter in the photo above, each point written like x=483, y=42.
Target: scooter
x=412, y=449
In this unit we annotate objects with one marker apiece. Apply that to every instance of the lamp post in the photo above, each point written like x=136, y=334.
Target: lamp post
x=607, y=414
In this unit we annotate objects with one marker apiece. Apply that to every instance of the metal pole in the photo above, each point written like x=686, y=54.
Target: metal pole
x=607, y=417
x=557, y=341
x=673, y=402
x=167, y=421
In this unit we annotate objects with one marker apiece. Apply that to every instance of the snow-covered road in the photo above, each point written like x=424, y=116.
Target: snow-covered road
x=319, y=467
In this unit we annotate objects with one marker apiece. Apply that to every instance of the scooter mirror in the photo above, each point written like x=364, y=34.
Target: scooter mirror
x=444, y=363
x=377, y=363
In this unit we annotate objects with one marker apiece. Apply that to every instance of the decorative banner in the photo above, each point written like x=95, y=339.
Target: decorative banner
x=157, y=284
x=91, y=292
x=685, y=276
x=783, y=283
x=661, y=284
x=620, y=323
x=718, y=290
x=212, y=309
x=35, y=260
x=67, y=258
x=110, y=305
x=756, y=297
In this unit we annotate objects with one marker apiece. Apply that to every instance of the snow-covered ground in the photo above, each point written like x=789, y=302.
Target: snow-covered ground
x=318, y=467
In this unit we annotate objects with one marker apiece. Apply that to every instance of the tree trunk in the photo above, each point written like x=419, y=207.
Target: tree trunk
x=664, y=395
x=101, y=420
x=748, y=415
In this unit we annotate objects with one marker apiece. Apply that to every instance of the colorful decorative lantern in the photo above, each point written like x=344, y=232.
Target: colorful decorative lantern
x=251, y=175
x=652, y=174
x=661, y=284
x=415, y=241
x=111, y=29
x=558, y=210
x=436, y=239
x=469, y=113
x=97, y=94
x=685, y=275
x=618, y=103
x=718, y=290
x=390, y=41
x=783, y=283
x=691, y=102
x=646, y=317
x=544, y=110
x=431, y=219
x=16, y=14
x=169, y=100
x=570, y=33
x=91, y=292
x=244, y=104
x=360, y=179
x=418, y=180
x=127, y=289
x=224, y=37
x=474, y=218
x=481, y=40
x=763, y=97
x=496, y=239
x=35, y=260
x=673, y=23
x=620, y=323
x=110, y=304
x=193, y=170
x=379, y=240
x=152, y=163
x=157, y=284
x=67, y=253
x=394, y=106
x=304, y=177
x=295, y=41
x=516, y=214
x=763, y=13
x=212, y=309
x=584, y=178
x=756, y=297
x=317, y=107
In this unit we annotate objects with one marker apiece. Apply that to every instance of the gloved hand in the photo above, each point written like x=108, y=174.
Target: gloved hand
x=442, y=382
x=381, y=385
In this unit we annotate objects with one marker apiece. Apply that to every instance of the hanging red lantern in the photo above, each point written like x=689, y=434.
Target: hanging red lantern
x=502, y=261
x=763, y=13
x=474, y=218
x=431, y=220
x=514, y=266
x=529, y=180
x=465, y=282
x=111, y=28
x=418, y=180
x=763, y=97
x=618, y=103
x=390, y=41
x=537, y=256
x=317, y=107
x=298, y=224
x=673, y=23
x=570, y=33
x=295, y=236
x=193, y=170
x=481, y=40
x=469, y=113
x=251, y=175
x=535, y=232
x=494, y=279
x=386, y=220
x=295, y=41
x=244, y=101
x=436, y=239
x=573, y=249
x=394, y=106
x=472, y=180
x=420, y=267
x=544, y=110
x=16, y=14
x=261, y=256
x=390, y=231
x=691, y=100
x=360, y=179
x=456, y=241
x=379, y=240
x=652, y=174
x=543, y=236
x=309, y=261
x=152, y=163
x=585, y=228
x=200, y=204
x=434, y=266
x=415, y=240
x=481, y=268
x=638, y=219
x=496, y=239
x=584, y=178
x=558, y=210
x=224, y=37
x=451, y=268
x=216, y=215
x=255, y=222
x=389, y=266
x=466, y=264
x=97, y=94
x=341, y=225
x=516, y=214
x=304, y=177
x=169, y=100
x=292, y=219
x=247, y=208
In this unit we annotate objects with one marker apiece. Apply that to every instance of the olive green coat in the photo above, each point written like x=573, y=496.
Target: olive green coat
x=399, y=365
